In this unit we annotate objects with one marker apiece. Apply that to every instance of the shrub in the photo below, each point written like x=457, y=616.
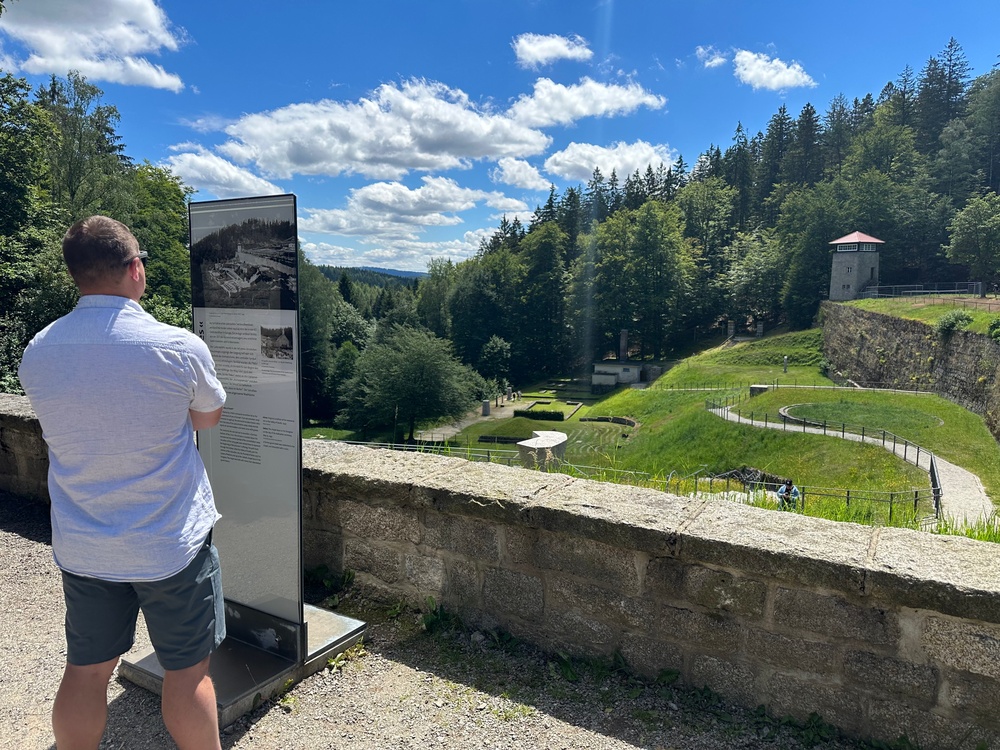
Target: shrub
x=953, y=320
x=548, y=416
x=994, y=329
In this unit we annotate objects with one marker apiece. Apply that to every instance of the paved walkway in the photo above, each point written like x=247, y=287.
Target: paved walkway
x=444, y=432
x=963, y=497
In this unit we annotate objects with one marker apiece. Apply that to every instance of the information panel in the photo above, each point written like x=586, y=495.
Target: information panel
x=244, y=288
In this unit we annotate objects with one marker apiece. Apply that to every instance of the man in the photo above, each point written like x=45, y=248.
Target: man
x=118, y=396
x=788, y=495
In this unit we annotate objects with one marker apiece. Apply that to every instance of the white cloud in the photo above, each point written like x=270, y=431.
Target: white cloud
x=206, y=171
x=393, y=212
x=534, y=50
x=325, y=254
x=578, y=160
x=402, y=255
x=207, y=123
x=709, y=56
x=555, y=104
x=105, y=40
x=519, y=173
x=763, y=72
x=417, y=125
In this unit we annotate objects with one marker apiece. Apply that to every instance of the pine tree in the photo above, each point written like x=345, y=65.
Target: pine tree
x=569, y=216
x=737, y=169
x=836, y=136
x=346, y=288
x=614, y=193
x=901, y=104
x=803, y=164
x=546, y=212
x=596, y=197
x=773, y=149
x=941, y=95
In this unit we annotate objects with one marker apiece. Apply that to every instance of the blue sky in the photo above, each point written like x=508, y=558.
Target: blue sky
x=408, y=129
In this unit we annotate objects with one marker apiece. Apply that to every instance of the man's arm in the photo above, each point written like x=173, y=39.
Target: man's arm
x=202, y=420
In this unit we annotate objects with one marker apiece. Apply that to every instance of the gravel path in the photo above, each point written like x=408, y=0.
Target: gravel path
x=410, y=689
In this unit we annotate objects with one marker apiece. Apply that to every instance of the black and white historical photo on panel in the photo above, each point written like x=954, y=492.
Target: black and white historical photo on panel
x=250, y=264
x=276, y=343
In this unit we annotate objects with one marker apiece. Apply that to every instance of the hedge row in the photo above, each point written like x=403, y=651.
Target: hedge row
x=550, y=416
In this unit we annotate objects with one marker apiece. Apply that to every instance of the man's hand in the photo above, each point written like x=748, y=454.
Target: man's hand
x=202, y=420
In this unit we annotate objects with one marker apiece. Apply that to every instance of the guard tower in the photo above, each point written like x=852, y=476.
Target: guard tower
x=855, y=266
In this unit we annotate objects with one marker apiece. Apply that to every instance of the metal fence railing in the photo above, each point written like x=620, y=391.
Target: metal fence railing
x=699, y=483
x=912, y=290
x=905, y=449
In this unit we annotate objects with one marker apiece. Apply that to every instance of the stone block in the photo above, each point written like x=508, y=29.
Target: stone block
x=730, y=679
x=664, y=578
x=951, y=575
x=519, y=545
x=787, y=695
x=762, y=544
x=580, y=634
x=616, y=515
x=649, y=657
x=463, y=587
x=378, y=560
x=324, y=508
x=974, y=696
x=426, y=574
x=383, y=523
x=321, y=547
x=511, y=594
x=928, y=730
x=612, y=567
x=466, y=536
x=880, y=675
x=724, y=592
x=565, y=594
x=791, y=652
x=485, y=490
x=834, y=616
x=700, y=631
x=963, y=645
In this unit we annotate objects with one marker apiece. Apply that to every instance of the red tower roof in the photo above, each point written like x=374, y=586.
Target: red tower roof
x=856, y=237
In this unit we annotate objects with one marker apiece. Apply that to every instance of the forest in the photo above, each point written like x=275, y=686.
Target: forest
x=739, y=234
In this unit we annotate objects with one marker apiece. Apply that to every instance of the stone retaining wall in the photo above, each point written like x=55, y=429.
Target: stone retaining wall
x=873, y=348
x=880, y=631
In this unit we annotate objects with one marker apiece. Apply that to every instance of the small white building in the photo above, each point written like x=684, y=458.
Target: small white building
x=855, y=265
x=614, y=372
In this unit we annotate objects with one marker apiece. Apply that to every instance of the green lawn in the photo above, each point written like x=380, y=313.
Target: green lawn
x=916, y=308
x=678, y=436
x=954, y=433
x=758, y=361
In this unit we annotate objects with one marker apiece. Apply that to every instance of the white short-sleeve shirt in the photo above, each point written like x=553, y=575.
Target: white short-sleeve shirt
x=112, y=387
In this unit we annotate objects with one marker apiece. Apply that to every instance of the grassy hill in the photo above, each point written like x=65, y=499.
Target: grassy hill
x=677, y=436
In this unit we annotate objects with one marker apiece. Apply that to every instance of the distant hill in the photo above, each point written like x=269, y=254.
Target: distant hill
x=379, y=277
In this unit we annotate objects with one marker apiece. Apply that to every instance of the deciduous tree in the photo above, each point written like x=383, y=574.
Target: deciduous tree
x=975, y=238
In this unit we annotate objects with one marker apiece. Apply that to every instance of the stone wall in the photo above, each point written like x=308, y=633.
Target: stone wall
x=870, y=347
x=880, y=631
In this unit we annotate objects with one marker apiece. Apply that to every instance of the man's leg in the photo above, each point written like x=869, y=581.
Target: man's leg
x=80, y=710
x=189, y=707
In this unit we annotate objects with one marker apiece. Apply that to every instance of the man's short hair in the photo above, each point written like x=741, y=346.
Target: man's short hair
x=97, y=249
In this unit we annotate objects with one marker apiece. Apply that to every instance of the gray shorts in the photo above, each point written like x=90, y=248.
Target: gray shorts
x=185, y=614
